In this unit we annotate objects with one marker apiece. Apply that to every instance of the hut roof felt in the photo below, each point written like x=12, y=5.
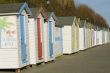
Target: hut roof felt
x=51, y=14
x=13, y=8
x=62, y=21
x=87, y=25
x=36, y=11
x=82, y=23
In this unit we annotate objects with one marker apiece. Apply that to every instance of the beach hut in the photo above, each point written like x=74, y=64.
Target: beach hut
x=69, y=34
x=48, y=33
x=100, y=38
x=106, y=35
x=13, y=35
x=95, y=35
x=87, y=35
x=77, y=22
x=35, y=29
x=103, y=36
x=58, y=45
x=91, y=34
x=81, y=35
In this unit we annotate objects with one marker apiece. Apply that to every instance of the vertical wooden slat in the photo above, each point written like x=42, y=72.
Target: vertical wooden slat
x=39, y=39
x=50, y=39
x=23, y=44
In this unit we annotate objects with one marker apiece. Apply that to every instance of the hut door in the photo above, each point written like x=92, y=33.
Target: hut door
x=39, y=39
x=50, y=39
x=23, y=44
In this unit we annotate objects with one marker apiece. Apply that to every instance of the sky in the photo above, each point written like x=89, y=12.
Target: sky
x=101, y=7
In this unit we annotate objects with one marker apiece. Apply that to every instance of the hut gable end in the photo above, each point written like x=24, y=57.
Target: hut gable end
x=38, y=10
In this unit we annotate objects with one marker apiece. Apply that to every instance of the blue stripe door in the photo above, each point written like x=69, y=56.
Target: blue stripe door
x=23, y=44
x=50, y=40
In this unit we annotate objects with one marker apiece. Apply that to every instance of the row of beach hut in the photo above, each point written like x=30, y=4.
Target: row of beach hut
x=80, y=35
x=31, y=35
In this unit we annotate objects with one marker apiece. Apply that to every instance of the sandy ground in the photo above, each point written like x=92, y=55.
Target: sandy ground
x=93, y=60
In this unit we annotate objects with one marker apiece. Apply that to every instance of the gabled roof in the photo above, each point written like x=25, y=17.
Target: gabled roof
x=62, y=21
x=14, y=8
x=51, y=14
x=36, y=11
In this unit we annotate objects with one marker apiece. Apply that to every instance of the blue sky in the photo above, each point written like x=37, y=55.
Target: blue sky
x=100, y=6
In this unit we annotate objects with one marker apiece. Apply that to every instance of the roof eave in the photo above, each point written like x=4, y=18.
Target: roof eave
x=25, y=5
x=9, y=13
x=52, y=15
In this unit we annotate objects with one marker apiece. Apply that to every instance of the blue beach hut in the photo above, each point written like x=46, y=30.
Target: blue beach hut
x=48, y=32
x=13, y=35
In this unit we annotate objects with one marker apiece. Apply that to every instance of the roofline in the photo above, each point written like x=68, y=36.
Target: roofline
x=52, y=15
x=40, y=9
x=43, y=14
x=1, y=14
x=23, y=6
x=9, y=13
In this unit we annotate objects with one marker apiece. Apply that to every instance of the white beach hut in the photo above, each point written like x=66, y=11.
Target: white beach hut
x=13, y=35
x=58, y=44
x=35, y=29
x=48, y=32
x=69, y=34
x=100, y=34
x=103, y=35
x=95, y=35
x=81, y=34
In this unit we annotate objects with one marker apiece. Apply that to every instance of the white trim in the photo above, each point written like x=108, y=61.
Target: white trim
x=8, y=13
